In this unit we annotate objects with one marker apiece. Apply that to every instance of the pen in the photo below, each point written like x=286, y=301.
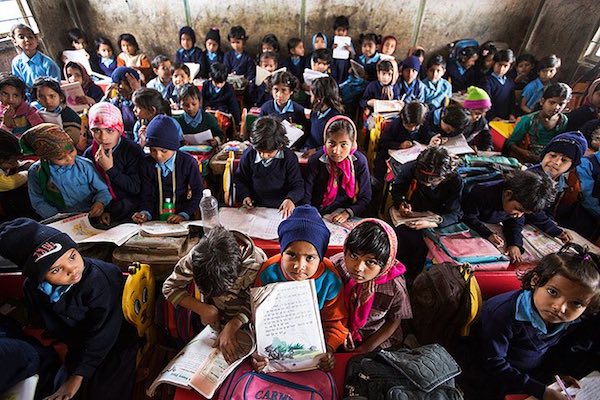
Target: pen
x=403, y=202
x=562, y=386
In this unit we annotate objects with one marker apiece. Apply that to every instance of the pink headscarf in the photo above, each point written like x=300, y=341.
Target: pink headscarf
x=587, y=101
x=359, y=297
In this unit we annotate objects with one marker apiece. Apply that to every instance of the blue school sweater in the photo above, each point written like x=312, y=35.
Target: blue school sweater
x=187, y=179
x=502, y=95
x=259, y=95
x=373, y=91
x=459, y=77
x=193, y=55
x=124, y=178
x=292, y=112
x=105, y=69
x=340, y=70
x=317, y=177
x=370, y=66
x=543, y=219
x=126, y=106
x=269, y=186
x=242, y=65
x=207, y=62
x=483, y=204
x=435, y=96
x=295, y=67
x=318, y=121
x=223, y=100
x=413, y=92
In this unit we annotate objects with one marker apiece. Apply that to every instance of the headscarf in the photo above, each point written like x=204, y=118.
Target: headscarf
x=314, y=39
x=587, y=101
x=346, y=166
x=359, y=296
x=87, y=81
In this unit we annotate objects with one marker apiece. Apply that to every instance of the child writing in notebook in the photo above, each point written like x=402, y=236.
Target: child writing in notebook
x=194, y=119
x=126, y=81
x=460, y=71
x=105, y=56
x=213, y=53
x=337, y=181
x=17, y=114
x=325, y=104
x=282, y=86
x=410, y=87
x=237, y=60
x=375, y=293
x=303, y=240
x=148, y=103
x=188, y=52
x=62, y=181
x=500, y=87
x=176, y=172
x=516, y=329
x=161, y=65
x=532, y=94
x=131, y=56
x=268, y=174
x=384, y=88
x=219, y=95
x=437, y=89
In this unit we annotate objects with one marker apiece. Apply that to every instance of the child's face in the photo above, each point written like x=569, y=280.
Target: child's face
x=74, y=75
x=501, y=68
x=128, y=48
x=281, y=94
x=319, y=43
x=11, y=96
x=477, y=113
x=212, y=45
x=553, y=105
x=26, y=40
x=164, y=71
x=596, y=99
x=409, y=75
x=264, y=47
x=161, y=155
x=67, y=270
x=338, y=146
x=237, y=45
x=368, y=48
x=300, y=261
x=385, y=77
x=512, y=207
x=319, y=65
x=79, y=44
x=218, y=85
x=48, y=98
x=267, y=155
x=469, y=62
x=269, y=64
x=435, y=72
x=191, y=105
x=66, y=160
x=180, y=77
x=107, y=138
x=341, y=31
x=362, y=267
x=556, y=164
x=410, y=127
x=560, y=299
x=524, y=68
x=547, y=74
x=298, y=50
x=594, y=143
x=447, y=128
x=105, y=51
x=144, y=113
x=124, y=89
x=186, y=41
x=388, y=47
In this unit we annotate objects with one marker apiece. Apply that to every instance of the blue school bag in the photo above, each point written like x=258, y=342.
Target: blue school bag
x=352, y=88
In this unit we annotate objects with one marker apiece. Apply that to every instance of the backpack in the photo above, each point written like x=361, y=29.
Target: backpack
x=445, y=300
x=245, y=384
x=423, y=373
x=352, y=88
x=177, y=326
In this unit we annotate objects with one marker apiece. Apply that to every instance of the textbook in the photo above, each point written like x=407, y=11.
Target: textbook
x=387, y=107
x=287, y=324
x=358, y=69
x=310, y=76
x=262, y=74
x=340, y=52
x=428, y=216
x=404, y=156
x=201, y=366
x=72, y=92
x=194, y=69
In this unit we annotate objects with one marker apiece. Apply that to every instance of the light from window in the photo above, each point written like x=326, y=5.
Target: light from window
x=15, y=12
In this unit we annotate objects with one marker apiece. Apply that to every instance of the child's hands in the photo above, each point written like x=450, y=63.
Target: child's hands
x=565, y=237
x=85, y=100
x=139, y=218
x=142, y=136
x=327, y=361
x=134, y=84
x=496, y=240
x=228, y=342
x=286, y=208
x=512, y=118
x=259, y=362
x=551, y=394
x=418, y=225
x=247, y=202
x=436, y=140
x=407, y=144
x=105, y=218
x=104, y=160
x=514, y=253
x=68, y=389
x=405, y=209
x=96, y=210
x=175, y=219
x=309, y=153
x=209, y=315
x=349, y=343
x=213, y=143
x=340, y=218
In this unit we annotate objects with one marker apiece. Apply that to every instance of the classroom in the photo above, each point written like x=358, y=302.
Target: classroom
x=333, y=199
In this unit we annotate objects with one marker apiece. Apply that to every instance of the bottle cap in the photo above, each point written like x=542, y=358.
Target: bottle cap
x=168, y=200
x=206, y=193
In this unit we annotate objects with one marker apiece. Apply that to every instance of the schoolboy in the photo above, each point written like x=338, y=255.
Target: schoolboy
x=411, y=88
x=195, y=119
x=161, y=65
x=237, y=60
x=17, y=114
x=218, y=94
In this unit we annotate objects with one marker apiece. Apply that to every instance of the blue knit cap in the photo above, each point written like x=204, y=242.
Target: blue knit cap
x=412, y=62
x=189, y=31
x=162, y=132
x=305, y=224
x=571, y=144
x=119, y=74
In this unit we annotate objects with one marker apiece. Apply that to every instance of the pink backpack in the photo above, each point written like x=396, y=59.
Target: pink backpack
x=245, y=384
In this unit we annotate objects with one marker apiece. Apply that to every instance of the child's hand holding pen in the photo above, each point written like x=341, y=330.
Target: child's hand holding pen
x=247, y=202
x=405, y=208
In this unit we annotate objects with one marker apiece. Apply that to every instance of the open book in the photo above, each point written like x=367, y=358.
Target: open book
x=387, y=106
x=288, y=327
x=590, y=388
x=310, y=76
x=194, y=69
x=292, y=132
x=262, y=74
x=397, y=219
x=404, y=156
x=201, y=366
x=72, y=92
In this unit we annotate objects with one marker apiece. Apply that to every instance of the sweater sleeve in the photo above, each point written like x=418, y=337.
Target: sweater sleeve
x=471, y=216
x=213, y=125
x=452, y=210
x=102, y=194
x=128, y=179
x=513, y=232
x=148, y=195
x=38, y=202
x=544, y=222
x=196, y=185
x=243, y=176
x=234, y=106
x=309, y=180
x=294, y=179
x=363, y=180
x=333, y=313
x=175, y=286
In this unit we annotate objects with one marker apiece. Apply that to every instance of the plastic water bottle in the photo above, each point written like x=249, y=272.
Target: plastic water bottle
x=167, y=209
x=209, y=209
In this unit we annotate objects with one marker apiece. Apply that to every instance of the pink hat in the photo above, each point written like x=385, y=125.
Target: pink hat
x=105, y=115
x=477, y=98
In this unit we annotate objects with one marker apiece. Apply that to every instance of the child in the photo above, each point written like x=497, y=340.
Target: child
x=269, y=42
x=237, y=60
x=213, y=53
x=384, y=88
x=388, y=45
x=325, y=103
x=437, y=89
x=30, y=64
x=117, y=160
x=17, y=114
x=296, y=60
x=75, y=72
x=485, y=61
x=460, y=71
x=478, y=103
x=195, y=119
x=587, y=221
x=282, y=86
x=320, y=60
x=375, y=292
x=48, y=93
x=161, y=65
x=126, y=80
x=340, y=67
x=533, y=92
x=534, y=131
x=219, y=95
x=589, y=110
x=524, y=71
x=517, y=328
x=455, y=121
x=269, y=174
x=432, y=185
x=507, y=201
x=77, y=38
x=260, y=94
x=338, y=180
x=318, y=41
x=419, y=52
x=79, y=301
x=223, y=266
x=148, y=103
x=369, y=57
x=181, y=76
x=105, y=56
x=591, y=131
x=14, y=199
x=130, y=55
x=62, y=181
x=500, y=88
x=177, y=173
x=303, y=240
x=411, y=88
x=188, y=52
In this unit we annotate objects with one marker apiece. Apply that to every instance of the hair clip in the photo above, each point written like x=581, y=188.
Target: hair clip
x=485, y=52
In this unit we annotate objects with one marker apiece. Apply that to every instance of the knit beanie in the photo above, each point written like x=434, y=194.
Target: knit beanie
x=213, y=34
x=162, y=132
x=477, y=98
x=105, y=115
x=412, y=62
x=33, y=246
x=571, y=144
x=305, y=224
x=119, y=74
x=190, y=32
x=47, y=141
